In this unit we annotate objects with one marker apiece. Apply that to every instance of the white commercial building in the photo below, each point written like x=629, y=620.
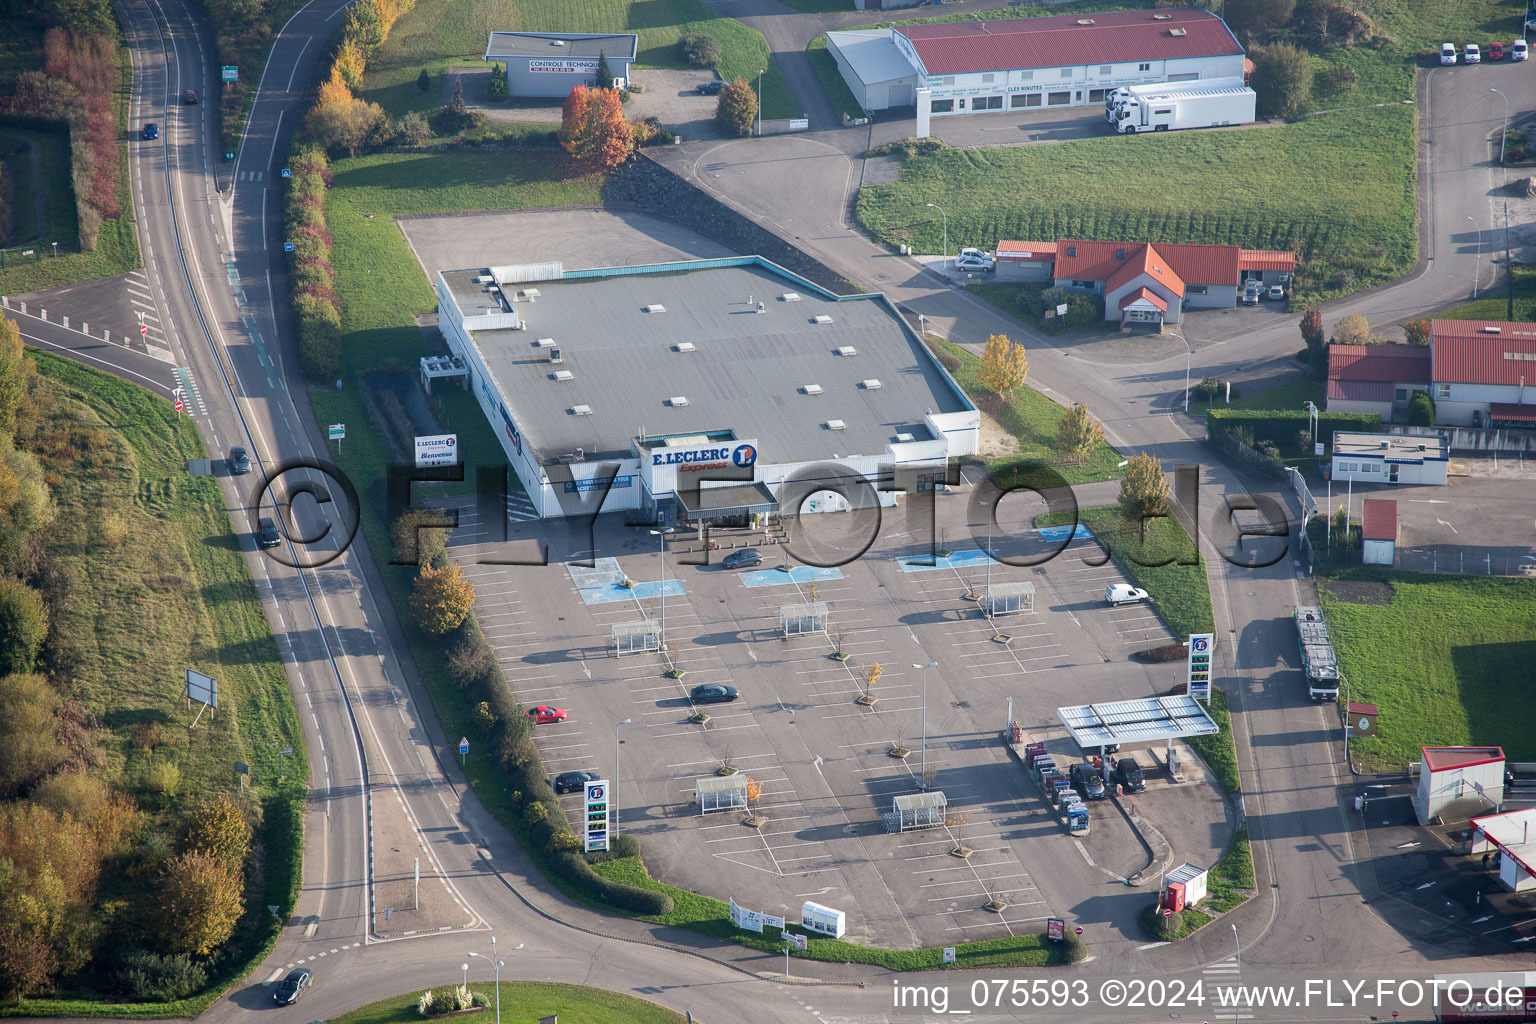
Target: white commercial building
x=551, y=64
x=973, y=67
x=1456, y=782
x=1513, y=836
x=701, y=390
x=1389, y=458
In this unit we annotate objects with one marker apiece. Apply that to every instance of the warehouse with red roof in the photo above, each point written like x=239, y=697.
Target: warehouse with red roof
x=1017, y=64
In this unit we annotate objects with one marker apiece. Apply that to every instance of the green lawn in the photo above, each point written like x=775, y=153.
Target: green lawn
x=832, y=82
x=712, y=917
x=1291, y=395
x=1218, y=751
x=1438, y=659
x=443, y=32
x=524, y=1002
x=117, y=249
x=157, y=584
x=1179, y=590
x=1031, y=418
x=1494, y=305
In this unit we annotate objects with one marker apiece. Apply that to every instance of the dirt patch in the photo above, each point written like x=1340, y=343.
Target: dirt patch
x=1360, y=591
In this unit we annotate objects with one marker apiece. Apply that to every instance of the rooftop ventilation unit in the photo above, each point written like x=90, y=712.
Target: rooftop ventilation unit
x=484, y=279
x=904, y=438
x=811, y=389
x=581, y=410
x=836, y=425
x=1162, y=17
x=821, y=318
x=873, y=384
x=528, y=293
x=1385, y=444
x=1491, y=330
x=846, y=350
x=790, y=297
x=1423, y=447
x=677, y=401
x=562, y=375
x=1085, y=21
x=544, y=343
x=655, y=307
x=1178, y=32
x=1119, y=254
x=683, y=346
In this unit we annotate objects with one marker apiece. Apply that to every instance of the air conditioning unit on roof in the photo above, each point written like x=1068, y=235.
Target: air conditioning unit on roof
x=684, y=346
x=812, y=389
x=836, y=425
x=821, y=318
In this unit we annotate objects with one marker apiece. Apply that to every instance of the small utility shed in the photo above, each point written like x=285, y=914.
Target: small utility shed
x=1379, y=532
x=551, y=64
x=1456, y=781
x=1513, y=835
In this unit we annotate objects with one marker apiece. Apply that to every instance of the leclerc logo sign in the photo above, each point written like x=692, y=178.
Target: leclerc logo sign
x=437, y=450
x=742, y=455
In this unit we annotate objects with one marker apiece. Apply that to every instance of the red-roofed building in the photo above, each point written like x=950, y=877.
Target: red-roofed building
x=1378, y=532
x=1175, y=274
x=1484, y=373
x=1376, y=378
x=1455, y=782
x=1022, y=63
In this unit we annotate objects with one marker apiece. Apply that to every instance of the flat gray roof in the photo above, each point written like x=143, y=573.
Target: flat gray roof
x=1136, y=721
x=617, y=45
x=747, y=371
x=872, y=54
x=1392, y=447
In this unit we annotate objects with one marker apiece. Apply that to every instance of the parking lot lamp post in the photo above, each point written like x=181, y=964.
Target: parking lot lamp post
x=936, y=206
x=923, y=783
x=661, y=549
x=496, y=963
x=613, y=784
x=1477, y=253
x=465, y=968
x=1188, y=354
x=986, y=598
x=1502, y=136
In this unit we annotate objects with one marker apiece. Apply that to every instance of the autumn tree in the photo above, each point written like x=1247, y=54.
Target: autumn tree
x=593, y=129
x=1282, y=76
x=420, y=535
x=218, y=827
x=1353, y=329
x=340, y=121
x=736, y=109
x=200, y=903
x=29, y=749
x=1078, y=433
x=1312, y=334
x=13, y=382
x=1004, y=365
x=442, y=598
x=1416, y=331
x=1143, y=490
x=23, y=626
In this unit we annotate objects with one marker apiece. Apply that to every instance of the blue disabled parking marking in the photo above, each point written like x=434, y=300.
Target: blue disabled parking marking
x=602, y=572
x=1056, y=534
x=674, y=588
x=599, y=584
x=799, y=574
x=955, y=560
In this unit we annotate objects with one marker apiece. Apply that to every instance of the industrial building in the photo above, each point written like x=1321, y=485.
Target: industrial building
x=551, y=64
x=1376, y=379
x=1509, y=835
x=1456, y=782
x=1480, y=371
x=1147, y=283
x=1389, y=458
x=974, y=67
x=700, y=387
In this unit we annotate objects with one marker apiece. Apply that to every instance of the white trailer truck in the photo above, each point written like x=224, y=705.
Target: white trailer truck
x=1206, y=108
x=1116, y=98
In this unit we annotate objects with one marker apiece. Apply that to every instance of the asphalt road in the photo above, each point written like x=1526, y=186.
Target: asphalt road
x=376, y=760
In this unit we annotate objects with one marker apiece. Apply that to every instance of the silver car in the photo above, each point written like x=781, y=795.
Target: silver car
x=1251, y=292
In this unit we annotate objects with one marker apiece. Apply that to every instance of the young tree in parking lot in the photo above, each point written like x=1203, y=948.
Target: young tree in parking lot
x=442, y=598
x=1078, y=433
x=1004, y=366
x=1282, y=76
x=1144, y=490
x=737, y=108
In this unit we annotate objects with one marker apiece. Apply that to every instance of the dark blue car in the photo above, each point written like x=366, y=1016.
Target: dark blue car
x=151, y=131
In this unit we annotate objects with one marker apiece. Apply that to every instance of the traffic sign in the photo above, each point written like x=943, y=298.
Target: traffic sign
x=229, y=155
x=230, y=73
x=180, y=405
x=1167, y=911
x=338, y=431
x=143, y=329
x=287, y=173
x=463, y=745
x=287, y=247
x=1079, y=930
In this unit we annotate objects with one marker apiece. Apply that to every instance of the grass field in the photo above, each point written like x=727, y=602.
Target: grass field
x=439, y=33
x=1032, y=420
x=524, y=1002
x=1495, y=306
x=117, y=249
x=1438, y=659
x=157, y=584
x=1179, y=591
x=712, y=917
x=1291, y=395
x=832, y=83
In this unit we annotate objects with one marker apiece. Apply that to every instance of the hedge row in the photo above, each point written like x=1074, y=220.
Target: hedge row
x=315, y=306
x=1280, y=426
x=506, y=730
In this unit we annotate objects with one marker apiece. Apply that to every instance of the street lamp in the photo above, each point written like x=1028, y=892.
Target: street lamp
x=1312, y=415
x=923, y=779
x=987, y=597
x=1477, y=252
x=936, y=206
x=1239, y=946
x=760, y=102
x=497, y=963
x=1188, y=354
x=1504, y=135
x=465, y=968
x=661, y=548
x=613, y=784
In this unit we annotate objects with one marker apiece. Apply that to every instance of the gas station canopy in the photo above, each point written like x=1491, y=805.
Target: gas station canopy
x=1136, y=721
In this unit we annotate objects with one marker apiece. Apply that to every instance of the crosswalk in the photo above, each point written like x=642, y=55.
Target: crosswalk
x=1226, y=973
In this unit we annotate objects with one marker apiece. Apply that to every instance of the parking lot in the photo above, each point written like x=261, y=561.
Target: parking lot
x=822, y=759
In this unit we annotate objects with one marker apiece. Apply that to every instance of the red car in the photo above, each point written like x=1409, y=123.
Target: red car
x=544, y=715
x=1496, y=51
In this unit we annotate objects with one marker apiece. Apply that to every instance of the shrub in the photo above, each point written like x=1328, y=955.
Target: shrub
x=161, y=977
x=411, y=130
x=1282, y=76
x=497, y=88
x=1421, y=410
x=699, y=50
x=736, y=109
x=574, y=868
x=23, y=626
x=424, y=81
x=442, y=598
x=1208, y=389
x=425, y=1003
x=163, y=777
x=1163, y=653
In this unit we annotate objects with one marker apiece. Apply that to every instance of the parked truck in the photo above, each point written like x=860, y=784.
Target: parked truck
x=1205, y=108
x=1318, y=660
x=1116, y=98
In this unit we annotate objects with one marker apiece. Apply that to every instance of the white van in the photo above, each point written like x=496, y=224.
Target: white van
x=1123, y=593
